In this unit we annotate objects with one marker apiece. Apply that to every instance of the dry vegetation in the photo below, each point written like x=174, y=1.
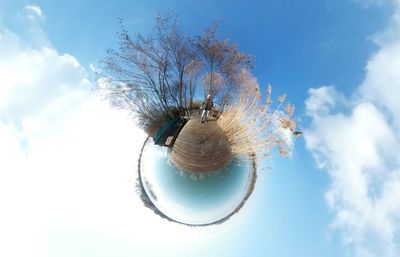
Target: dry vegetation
x=252, y=124
x=157, y=76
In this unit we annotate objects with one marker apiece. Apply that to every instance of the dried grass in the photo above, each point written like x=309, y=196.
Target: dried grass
x=253, y=126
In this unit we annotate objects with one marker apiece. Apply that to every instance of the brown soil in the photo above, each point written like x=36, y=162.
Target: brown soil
x=201, y=147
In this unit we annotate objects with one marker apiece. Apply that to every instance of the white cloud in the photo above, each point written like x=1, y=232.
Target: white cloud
x=33, y=11
x=322, y=100
x=94, y=68
x=68, y=166
x=382, y=83
x=360, y=151
x=38, y=84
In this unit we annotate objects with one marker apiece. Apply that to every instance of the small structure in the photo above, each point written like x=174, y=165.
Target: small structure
x=167, y=134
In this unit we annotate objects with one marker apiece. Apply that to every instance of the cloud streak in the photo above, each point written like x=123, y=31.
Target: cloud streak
x=33, y=11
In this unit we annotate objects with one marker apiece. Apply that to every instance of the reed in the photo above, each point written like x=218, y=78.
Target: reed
x=254, y=126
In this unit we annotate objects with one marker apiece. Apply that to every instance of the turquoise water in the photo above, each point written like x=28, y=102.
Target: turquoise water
x=190, y=198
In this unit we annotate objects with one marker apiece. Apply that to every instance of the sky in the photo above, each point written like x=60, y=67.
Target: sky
x=68, y=159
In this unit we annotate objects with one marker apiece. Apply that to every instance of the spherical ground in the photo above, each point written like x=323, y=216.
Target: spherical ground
x=194, y=199
x=201, y=147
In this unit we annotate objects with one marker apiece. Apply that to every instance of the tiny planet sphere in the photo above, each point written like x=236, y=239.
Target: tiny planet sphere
x=190, y=174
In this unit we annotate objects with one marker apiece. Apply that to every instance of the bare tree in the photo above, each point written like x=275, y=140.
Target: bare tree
x=153, y=75
x=156, y=76
x=180, y=55
x=223, y=61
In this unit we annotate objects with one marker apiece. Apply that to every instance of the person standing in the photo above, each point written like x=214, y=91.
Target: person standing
x=207, y=107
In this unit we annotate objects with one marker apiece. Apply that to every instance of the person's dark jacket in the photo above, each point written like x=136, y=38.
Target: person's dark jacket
x=208, y=104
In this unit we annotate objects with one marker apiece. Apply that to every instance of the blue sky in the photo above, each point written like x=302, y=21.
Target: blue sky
x=67, y=158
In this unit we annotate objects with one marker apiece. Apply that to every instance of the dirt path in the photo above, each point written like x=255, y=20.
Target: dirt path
x=201, y=147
